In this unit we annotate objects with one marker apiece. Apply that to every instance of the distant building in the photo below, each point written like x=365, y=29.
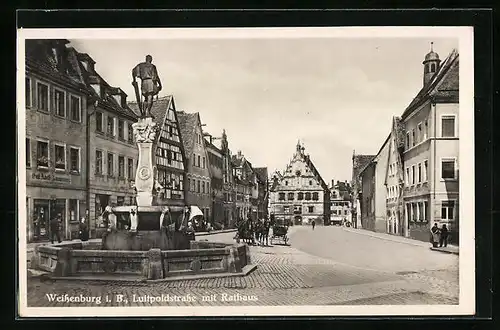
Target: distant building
x=170, y=156
x=359, y=162
x=113, y=153
x=244, y=182
x=300, y=195
x=56, y=120
x=215, y=161
x=263, y=192
x=431, y=150
x=340, y=203
x=198, y=188
x=228, y=184
x=373, y=204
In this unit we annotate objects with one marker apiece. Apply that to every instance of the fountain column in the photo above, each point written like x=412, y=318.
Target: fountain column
x=145, y=131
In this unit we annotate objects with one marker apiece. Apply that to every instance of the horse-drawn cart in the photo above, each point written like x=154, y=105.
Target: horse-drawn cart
x=280, y=231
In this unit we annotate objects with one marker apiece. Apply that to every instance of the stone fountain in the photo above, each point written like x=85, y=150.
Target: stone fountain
x=155, y=246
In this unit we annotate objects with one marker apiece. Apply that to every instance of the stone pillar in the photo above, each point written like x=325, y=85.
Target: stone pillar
x=63, y=266
x=145, y=133
x=154, y=268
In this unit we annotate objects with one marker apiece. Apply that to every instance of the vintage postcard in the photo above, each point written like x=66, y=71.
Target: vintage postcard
x=246, y=172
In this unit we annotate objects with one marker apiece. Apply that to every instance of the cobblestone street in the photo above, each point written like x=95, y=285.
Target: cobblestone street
x=327, y=266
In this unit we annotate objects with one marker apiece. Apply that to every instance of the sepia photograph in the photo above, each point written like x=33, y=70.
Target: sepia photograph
x=246, y=171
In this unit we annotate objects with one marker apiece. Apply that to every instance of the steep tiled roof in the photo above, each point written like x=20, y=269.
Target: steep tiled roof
x=159, y=109
x=212, y=146
x=261, y=173
x=443, y=85
x=359, y=163
x=39, y=58
x=399, y=132
x=187, y=125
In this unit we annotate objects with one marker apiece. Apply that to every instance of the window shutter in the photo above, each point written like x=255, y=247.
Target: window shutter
x=51, y=100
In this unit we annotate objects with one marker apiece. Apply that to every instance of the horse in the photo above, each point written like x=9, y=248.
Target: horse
x=264, y=233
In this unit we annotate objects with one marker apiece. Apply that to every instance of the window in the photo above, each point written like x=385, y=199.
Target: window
x=121, y=130
x=60, y=157
x=413, y=142
x=286, y=183
x=121, y=166
x=98, y=122
x=300, y=196
x=425, y=171
x=74, y=159
x=426, y=129
x=208, y=187
x=291, y=196
x=193, y=187
x=203, y=162
x=189, y=184
x=413, y=174
x=28, y=153
x=111, y=164
x=310, y=182
x=130, y=133
x=73, y=210
x=426, y=212
x=75, y=108
x=315, y=196
x=286, y=209
x=308, y=196
x=197, y=186
x=42, y=96
x=407, y=176
x=60, y=103
x=419, y=173
x=27, y=91
x=407, y=140
x=130, y=168
x=419, y=133
x=98, y=162
x=447, y=210
x=203, y=187
x=281, y=196
x=311, y=209
x=448, y=126
x=448, y=169
x=111, y=126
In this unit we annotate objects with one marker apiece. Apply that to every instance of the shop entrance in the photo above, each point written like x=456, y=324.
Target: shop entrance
x=44, y=211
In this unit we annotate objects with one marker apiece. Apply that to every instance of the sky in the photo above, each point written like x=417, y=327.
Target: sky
x=335, y=95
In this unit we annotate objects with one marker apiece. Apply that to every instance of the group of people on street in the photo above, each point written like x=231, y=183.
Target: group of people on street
x=439, y=236
x=56, y=224
x=252, y=231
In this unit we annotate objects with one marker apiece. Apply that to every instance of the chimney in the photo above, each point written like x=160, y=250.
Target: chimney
x=333, y=183
x=239, y=153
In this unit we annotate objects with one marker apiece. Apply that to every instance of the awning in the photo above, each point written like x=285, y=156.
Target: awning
x=195, y=212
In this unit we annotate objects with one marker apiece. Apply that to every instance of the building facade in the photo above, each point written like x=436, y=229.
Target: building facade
x=56, y=119
x=300, y=195
x=113, y=153
x=215, y=161
x=228, y=184
x=431, y=150
x=244, y=183
x=263, y=192
x=340, y=203
x=359, y=162
x=198, y=181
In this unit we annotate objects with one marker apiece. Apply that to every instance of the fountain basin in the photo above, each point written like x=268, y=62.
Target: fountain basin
x=203, y=259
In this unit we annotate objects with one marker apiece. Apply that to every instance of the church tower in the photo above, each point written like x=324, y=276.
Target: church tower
x=431, y=65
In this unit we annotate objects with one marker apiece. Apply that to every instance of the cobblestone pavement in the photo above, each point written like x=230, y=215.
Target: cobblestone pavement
x=285, y=275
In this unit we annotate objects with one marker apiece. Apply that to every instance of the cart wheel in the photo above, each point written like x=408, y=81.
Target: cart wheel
x=286, y=240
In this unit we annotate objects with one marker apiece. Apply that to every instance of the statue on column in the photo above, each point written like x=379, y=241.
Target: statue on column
x=150, y=85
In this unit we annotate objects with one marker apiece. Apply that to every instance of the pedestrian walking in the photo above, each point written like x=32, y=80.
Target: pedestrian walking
x=83, y=230
x=434, y=237
x=313, y=223
x=443, y=238
x=55, y=227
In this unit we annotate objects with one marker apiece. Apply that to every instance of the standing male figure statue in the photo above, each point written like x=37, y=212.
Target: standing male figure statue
x=150, y=84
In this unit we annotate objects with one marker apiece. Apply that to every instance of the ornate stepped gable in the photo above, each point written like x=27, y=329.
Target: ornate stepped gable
x=170, y=152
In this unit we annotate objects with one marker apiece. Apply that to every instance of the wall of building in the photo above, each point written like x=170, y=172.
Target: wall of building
x=380, y=190
x=368, y=197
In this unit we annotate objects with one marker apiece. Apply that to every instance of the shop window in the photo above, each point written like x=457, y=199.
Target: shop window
x=76, y=110
x=98, y=162
x=60, y=103
x=42, y=93
x=74, y=154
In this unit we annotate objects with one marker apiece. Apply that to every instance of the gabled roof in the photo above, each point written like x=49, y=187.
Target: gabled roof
x=159, y=109
x=39, y=58
x=314, y=170
x=375, y=158
x=261, y=173
x=187, y=125
x=442, y=86
x=359, y=163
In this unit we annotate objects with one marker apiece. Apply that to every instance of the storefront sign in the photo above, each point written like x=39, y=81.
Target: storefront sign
x=48, y=177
